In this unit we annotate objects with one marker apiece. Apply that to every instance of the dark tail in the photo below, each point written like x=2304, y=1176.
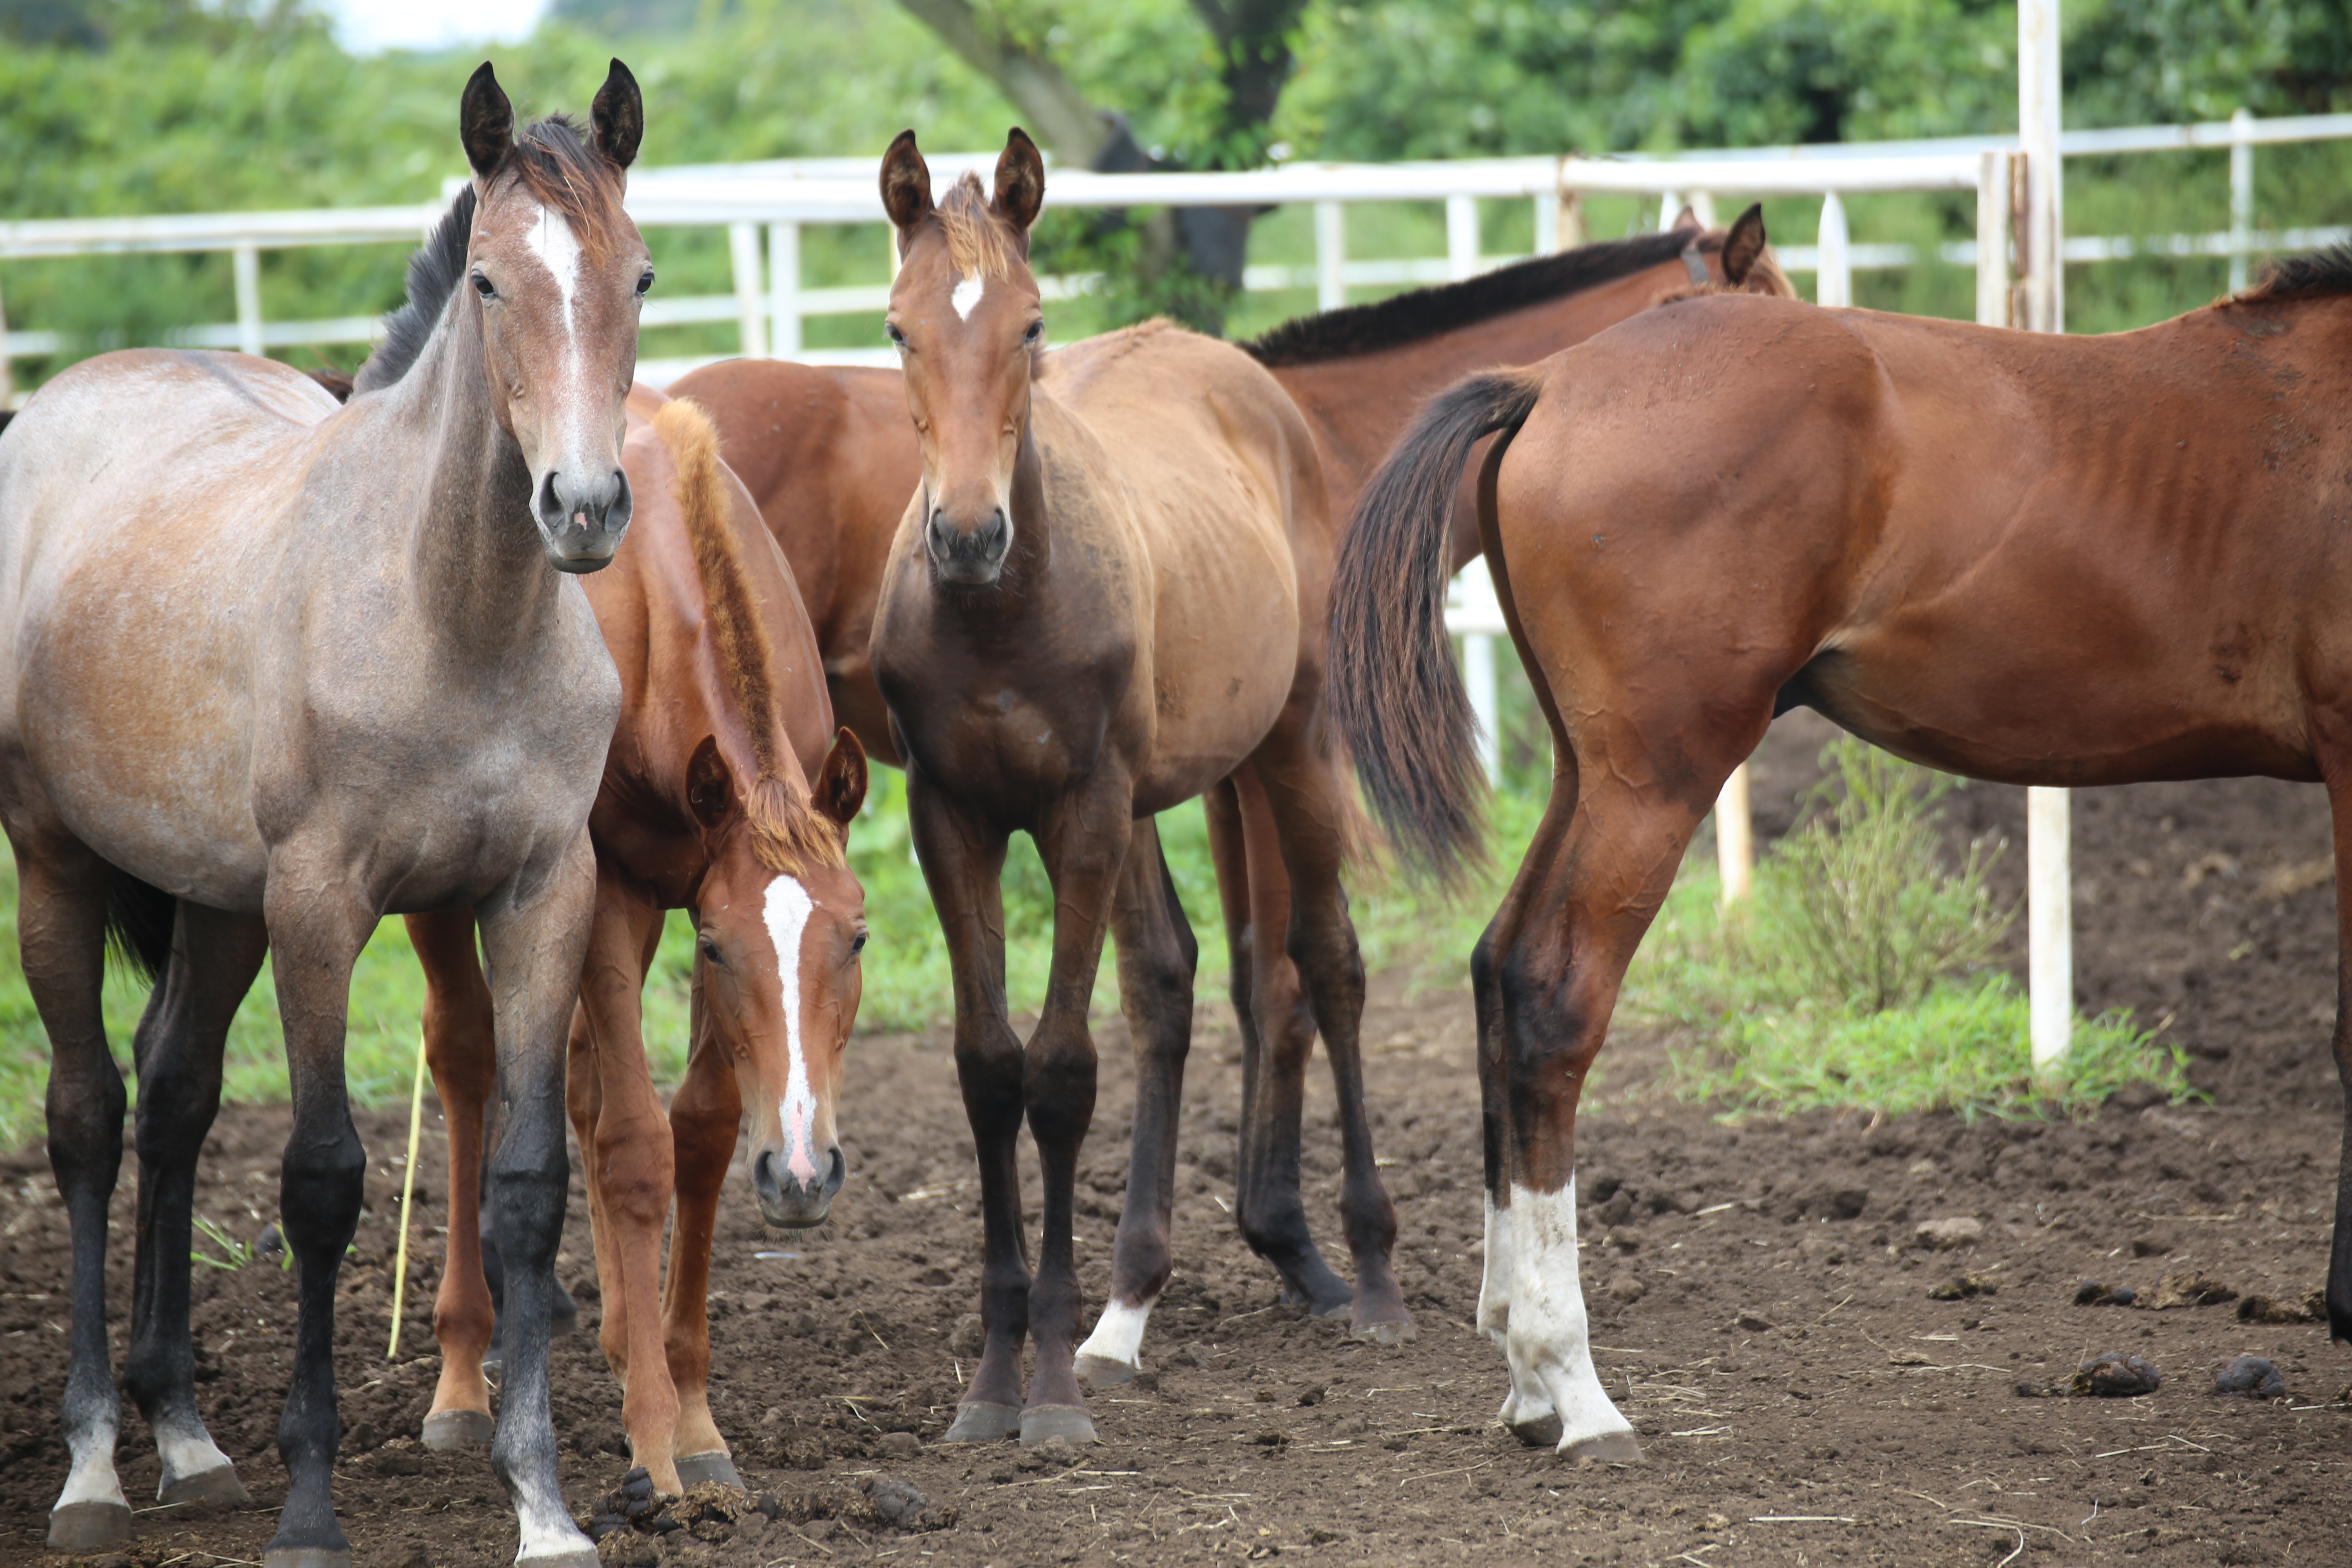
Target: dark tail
x=1395, y=693
x=139, y=925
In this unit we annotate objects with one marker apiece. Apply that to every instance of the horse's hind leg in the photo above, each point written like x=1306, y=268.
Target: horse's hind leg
x=462, y=1052
x=1268, y=1206
x=178, y=1050
x=61, y=924
x=1157, y=959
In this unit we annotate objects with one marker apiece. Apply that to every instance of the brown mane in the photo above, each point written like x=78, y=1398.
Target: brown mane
x=978, y=242
x=551, y=161
x=788, y=833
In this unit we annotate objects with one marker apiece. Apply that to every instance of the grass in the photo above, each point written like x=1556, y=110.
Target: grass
x=1856, y=976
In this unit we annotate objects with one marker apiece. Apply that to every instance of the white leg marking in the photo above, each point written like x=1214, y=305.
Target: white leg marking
x=92, y=1478
x=967, y=296
x=1546, y=1338
x=787, y=911
x=548, y=1532
x=185, y=1454
x=1119, y=1334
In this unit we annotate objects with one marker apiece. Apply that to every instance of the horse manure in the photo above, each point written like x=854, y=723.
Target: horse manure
x=1312, y=1397
x=2271, y=1310
x=1950, y=1234
x=898, y=1504
x=901, y=1446
x=2115, y=1375
x=2250, y=1377
x=2094, y=1293
x=1960, y=1287
x=2190, y=1287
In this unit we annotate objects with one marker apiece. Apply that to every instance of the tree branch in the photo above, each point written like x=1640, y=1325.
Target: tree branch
x=1057, y=111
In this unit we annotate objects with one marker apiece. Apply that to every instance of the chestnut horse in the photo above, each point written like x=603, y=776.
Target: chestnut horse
x=706, y=806
x=2038, y=560
x=273, y=668
x=832, y=458
x=1105, y=596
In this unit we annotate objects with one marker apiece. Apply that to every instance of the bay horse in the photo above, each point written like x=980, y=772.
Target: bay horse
x=2032, y=559
x=272, y=669
x=1105, y=596
x=831, y=457
x=706, y=804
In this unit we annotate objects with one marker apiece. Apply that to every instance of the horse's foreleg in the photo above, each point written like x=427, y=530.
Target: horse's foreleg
x=703, y=1116
x=1157, y=959
x=1268, y=1206
x=535, y=943
x=1084, y=846
x=61, y=924
x=2335, y=768
x=963, y=863
x=626, y=1139
x=461, y=1051
x=178, y=1051
x=316, y=930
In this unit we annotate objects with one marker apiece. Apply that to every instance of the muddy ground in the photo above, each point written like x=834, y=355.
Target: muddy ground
x=1763, y=1311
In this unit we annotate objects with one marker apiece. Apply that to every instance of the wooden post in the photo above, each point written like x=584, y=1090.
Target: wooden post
x=2241, y=195
x=784, y=289
x=1462, y=236
x=743, y=251
x=1833, y=284
x=8, y=381
x=1330, y=256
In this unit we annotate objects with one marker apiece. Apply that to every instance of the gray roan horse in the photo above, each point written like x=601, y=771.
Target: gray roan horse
x=271, y=669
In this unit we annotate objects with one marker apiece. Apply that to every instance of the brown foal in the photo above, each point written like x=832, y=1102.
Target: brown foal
x=831, y=456
x=1105, y=596
x=2033, y=559
x=705, y=806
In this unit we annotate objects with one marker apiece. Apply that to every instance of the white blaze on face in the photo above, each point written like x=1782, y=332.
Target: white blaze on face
x=787, y=909
x=558, y=248
x=967, y=296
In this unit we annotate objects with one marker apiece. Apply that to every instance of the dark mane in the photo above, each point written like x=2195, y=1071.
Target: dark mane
x=433, y=274
x=1448, y=307
x=2327, y=271
x=562, y=171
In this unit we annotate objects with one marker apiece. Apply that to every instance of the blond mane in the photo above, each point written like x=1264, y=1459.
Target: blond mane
x=978, y=245
x=788, y=833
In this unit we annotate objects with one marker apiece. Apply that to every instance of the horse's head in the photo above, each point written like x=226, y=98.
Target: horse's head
x=1743, y=257
x=965, y=318
x=780, y=923
x=559, y=270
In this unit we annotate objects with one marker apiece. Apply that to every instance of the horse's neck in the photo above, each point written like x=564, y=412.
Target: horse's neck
x=475, y=557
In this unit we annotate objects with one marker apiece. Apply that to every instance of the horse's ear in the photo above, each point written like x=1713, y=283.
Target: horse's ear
x=1020, y=180
x=1743, y=246
x=710, y=784
x=1687, y=219
x=841, y=784
x=485, y=122
x=617, y=117
x=905, y=184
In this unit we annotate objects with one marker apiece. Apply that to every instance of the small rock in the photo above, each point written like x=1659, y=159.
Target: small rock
x=1754, y=1322
x=2115, y=1375
x=901, y=1446
x=1715, y=1521
x=2122, y=1296
x=770, y=1506
x=1625, y=1288
x=1618, y=1210
x=2190, y=1287
x=1309, y=1397
x=2150, y=1247
x=2271, y=1310
x=2138, y=1097
x=2251, y=1377
x=1947, y=1235
x=968, y=1337
x=1271, y=1438
x=2090, y=1293
x=270, y=1245
x=1817, y=1248
x=899, y=1504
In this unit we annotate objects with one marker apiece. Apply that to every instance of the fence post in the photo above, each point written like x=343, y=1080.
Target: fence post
x=1993, y=267
x=1734, y=838
x=246, y=261
x=2049, y=913
x=1330, y=256
x=1670, y=207
x=2241, y=195
x=1547, y=223
x=7, y=380
x=1702, y=207
x=1481, y=607
x=784, y=289
x=743, y=250
x=1462, y=236
x=1833, y=284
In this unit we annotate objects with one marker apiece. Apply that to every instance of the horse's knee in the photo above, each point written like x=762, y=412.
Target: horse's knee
x=319, y=1192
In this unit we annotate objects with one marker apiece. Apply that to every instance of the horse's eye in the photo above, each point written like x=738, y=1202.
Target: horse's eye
x=890, y=330
x=858, y=945
x=482, y=286
x=710, y=951
x=644, y=282
x=1036, y=330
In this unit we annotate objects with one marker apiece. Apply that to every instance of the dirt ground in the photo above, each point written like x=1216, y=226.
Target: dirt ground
x=1762, y=1310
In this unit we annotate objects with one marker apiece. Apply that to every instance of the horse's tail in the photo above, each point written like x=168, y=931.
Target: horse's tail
x=139, y=918
x=1396, y=696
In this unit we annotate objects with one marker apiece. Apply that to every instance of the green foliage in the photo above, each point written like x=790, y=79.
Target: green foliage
x=234, y=1251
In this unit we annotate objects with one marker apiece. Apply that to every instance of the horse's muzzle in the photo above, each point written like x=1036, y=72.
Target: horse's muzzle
x=582, y=518
x=969, y=557
x=785, y=1200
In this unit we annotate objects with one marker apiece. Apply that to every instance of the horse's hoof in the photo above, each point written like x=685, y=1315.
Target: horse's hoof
x=1607, y=1448
x=1043, y=1423
x=306, y=1557
x=1543, y=1431
x=1102, y=1371
x=217, y=1485
x=89, y=1526
x=1394, y=1331
x=1332, y=1308
x=980, y=1422
x=577, y=1554
x=449, y=1431
x=693, y=1469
